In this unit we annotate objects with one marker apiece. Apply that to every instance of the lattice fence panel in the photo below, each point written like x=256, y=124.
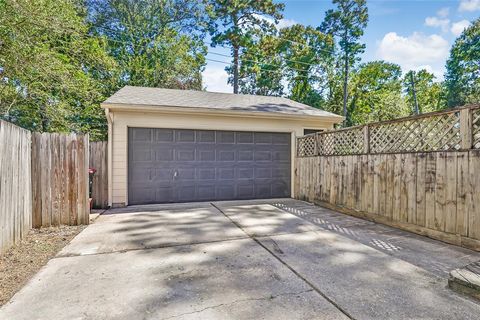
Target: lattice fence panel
x=306, y=146
x=341, y=142
x=434, y=133
x=476, y=128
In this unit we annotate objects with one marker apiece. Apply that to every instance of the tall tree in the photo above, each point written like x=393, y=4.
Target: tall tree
x=235, y=21
x=376, y=89
x=307, y=53
x=157, y=43
x=53, y=75
x=262, y=68
x=428, y=92
x=347, y=22
x=462, y=78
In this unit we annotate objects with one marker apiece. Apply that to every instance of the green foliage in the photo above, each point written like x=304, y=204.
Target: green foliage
x=261, y=68
x=53, y=75
x=429, y=92
x=462, y=78
x=376, y=93
x=235, y=23
x=298, y=57
x=155, y=43
x=308, y=53
x=347, y=23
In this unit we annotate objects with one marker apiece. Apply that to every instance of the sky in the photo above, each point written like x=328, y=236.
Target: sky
x=416, y=34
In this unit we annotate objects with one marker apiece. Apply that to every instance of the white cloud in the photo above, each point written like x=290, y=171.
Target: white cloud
x=415, y=52
x=469, y=5
x=444, y=12
x=282, y=23
x=458, y=27
x=436, y=22
x=215, y=78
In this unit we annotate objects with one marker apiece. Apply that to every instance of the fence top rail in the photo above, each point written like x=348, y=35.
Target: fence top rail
x=425, y=115
x=407, y=118
x=452, y=129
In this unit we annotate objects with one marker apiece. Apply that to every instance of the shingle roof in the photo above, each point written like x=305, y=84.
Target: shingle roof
x=158, y=97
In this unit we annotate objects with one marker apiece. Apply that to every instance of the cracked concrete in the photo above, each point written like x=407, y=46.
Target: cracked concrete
x=257, y=260
x=271, y=297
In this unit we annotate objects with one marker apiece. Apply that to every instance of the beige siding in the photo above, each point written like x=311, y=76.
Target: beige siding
x=118, y=193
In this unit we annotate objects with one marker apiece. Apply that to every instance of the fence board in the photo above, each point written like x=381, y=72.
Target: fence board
x=59, y=184
x=429, y=193
x=15, y=184
x=420, y=189
x=474, y=212
x=421, y=173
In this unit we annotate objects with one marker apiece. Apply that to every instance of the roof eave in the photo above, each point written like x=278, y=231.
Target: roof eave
x=333, y=118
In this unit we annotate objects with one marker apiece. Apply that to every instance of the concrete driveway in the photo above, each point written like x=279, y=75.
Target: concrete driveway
x=281, y=259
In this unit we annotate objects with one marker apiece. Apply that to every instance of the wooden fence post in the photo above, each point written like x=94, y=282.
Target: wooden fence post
x=366, y=139
x=466, y=129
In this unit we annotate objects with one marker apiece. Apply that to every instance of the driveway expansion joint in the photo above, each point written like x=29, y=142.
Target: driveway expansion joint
x=311, y=285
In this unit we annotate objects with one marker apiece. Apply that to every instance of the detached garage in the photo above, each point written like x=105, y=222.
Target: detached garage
x=182, y=146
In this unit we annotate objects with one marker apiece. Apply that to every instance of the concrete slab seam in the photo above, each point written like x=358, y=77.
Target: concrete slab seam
x=311, y=285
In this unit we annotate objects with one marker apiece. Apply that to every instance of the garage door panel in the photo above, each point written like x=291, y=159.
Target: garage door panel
x=225, y=137
x=226, y=155
x=245, y=173
x=165, y=154
x=281, y=139
x=281, y=172
x=226, y=173
x=263, y=190
x=163, y=194
x=206, y=174
x=186, y=193
x=185, y=154
x=163, y=174
x=245, y=155
x=185, y=136
x=263, y=138
x=245, y=137
x=246, y=191
x=225, y=192
x=204, y=136
x=262, y=155
x=142, y=135
x=263, y=173
x=280, y=189
x=206, y=192
x=206, y=155
x=142, y=155
x=164, y=135
x=169, y=165
x=185, y=174
x=144, y=194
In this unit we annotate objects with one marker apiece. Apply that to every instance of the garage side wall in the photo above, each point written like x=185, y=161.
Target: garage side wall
x=122, y=120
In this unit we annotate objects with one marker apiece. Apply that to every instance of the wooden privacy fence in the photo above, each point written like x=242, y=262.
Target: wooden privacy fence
x=15, y=184
x=98, y=161
x=43, y=181
x=421, y=174
x=60, y=179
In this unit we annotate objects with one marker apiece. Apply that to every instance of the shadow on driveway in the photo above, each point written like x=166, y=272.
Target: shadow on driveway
x=244, y=260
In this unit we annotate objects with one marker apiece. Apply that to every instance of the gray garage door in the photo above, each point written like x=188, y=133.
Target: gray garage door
x=166, y=165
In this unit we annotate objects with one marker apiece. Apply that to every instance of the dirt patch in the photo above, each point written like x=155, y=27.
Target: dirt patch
x=23, y=260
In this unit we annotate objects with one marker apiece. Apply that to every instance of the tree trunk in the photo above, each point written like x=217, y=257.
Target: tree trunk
x=414, y=92
x=235, y=68
x=345, y=88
